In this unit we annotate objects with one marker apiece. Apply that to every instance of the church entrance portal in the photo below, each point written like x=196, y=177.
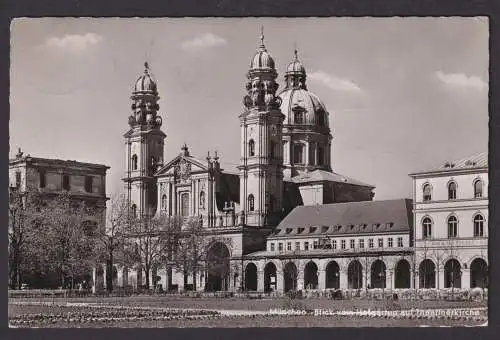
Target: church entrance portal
x=217, y=268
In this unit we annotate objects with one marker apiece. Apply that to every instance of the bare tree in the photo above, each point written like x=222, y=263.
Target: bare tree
x=67, y=240
x=23, y=214
x=154, y=239
x=112, y=241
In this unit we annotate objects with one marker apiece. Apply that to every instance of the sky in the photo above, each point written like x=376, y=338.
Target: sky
x=404, y=94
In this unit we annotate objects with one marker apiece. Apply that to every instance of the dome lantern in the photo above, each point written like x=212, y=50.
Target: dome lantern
x=295, y=75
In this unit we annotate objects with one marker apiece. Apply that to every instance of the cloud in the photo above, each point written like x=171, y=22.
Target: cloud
x=206, y=40
x=333, y=82
x=74, y=42
x=462, y=80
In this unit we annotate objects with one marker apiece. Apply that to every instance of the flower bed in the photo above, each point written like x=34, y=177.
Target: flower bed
x=87, y=314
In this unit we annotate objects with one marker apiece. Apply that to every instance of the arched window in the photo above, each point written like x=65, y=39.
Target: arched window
x=478, y=225
x=298, y=153
x=272, y=152
x=320, y=118
x=452, y=190
x=427, y=191
x=185, y=204
x=272, y=202
x=164, y=202
x=251, y=203
x=320, y=156
x=478, y=188
x=133, y=210
x=452, y=227
x=134, y=162
x=426, y=228
x=202, y=200
x=251, y=148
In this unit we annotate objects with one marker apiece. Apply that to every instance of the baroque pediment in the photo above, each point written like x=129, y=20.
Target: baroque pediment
x=182, y=167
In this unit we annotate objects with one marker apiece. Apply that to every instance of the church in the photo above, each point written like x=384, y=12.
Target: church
x=283, y=218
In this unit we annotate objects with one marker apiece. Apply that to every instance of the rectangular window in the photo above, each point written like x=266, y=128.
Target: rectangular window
x=334, y=244
x=400, y=242
x=297, y=245
x=43, y=182
x=66, y=185
x=298, y=154
x=306, y=245
x=361, y=244
x=381, y=243
x=352, y=244
x=315, y=244
x=389, y=242
x=370, y=243
x=298, y=117
x=272, y=246
x=289, y=246
x=342, y=244
x=88, y=183
x=18, y=179
x=280, y=246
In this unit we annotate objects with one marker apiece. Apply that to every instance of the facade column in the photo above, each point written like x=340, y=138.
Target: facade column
x=300, y=278
x=94, y=280
x=306, y=163
x=119, y=279
x=280, y=284
x=105, y=277
x=465, y=278
x=316, y=153
x=440, y=277
x=342, y=279
x=260, y=281
x=390, y=279
x=321, y=279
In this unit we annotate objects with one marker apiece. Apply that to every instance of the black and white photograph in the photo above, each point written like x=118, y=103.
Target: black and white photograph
x=248, y=172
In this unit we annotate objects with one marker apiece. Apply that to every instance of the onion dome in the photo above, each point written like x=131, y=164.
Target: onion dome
x=295, y=67
x=145, y=83
x=262, y=59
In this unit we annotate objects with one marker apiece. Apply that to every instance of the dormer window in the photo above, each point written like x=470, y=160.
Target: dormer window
x=324, y=229
x=312, y=230
x=351, y=227
x=288, y=230
x=389, y=225
x=298, y=116
x=300, y=230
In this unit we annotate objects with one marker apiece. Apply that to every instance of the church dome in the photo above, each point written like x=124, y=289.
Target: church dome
x=145, y=83
x=310, y=109
x=262, y=59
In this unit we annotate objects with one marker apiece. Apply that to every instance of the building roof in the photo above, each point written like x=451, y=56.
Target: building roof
x=328, y=176
x=347, y=218
x=476, y=161
x=56, y=162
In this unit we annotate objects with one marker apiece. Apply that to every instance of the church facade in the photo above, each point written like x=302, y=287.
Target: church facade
x=283, y=218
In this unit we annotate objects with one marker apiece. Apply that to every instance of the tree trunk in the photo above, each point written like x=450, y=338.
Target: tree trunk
x=110, y=273
x=146, y=271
